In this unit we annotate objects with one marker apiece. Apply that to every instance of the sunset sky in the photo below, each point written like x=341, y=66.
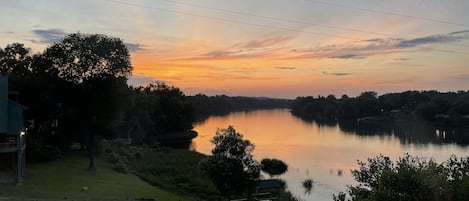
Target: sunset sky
x=274, y=48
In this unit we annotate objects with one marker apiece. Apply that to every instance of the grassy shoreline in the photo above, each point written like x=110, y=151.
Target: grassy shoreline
x=174, y=170
x=124, y=173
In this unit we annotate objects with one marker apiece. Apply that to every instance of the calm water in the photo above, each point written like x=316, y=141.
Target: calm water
x=325, y=154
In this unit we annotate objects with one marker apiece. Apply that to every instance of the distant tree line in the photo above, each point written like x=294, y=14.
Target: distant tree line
x=223, y=105
x=451, y=108
x=76, y=91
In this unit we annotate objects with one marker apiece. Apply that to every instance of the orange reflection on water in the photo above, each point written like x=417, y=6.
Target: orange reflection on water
x=277, y=133
x=325, y=154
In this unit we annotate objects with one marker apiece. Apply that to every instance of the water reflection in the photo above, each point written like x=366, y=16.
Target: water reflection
x=326, y=151
x=408, y=130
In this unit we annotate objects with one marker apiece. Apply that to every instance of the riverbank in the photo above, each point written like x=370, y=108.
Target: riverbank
x=124, y=173
x=174, y=170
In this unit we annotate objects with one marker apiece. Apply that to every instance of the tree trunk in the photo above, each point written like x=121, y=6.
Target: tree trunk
x=92, y=151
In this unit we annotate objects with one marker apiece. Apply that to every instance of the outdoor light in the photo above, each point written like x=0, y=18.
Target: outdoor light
x=22, y=133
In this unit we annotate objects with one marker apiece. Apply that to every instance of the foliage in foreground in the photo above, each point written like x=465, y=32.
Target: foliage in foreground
x=170, y=169
x=409, y=179
x=231, y=167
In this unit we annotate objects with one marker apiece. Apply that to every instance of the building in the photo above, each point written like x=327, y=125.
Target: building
x=12, y=137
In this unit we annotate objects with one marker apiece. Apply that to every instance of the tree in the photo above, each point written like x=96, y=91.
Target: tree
x=15, y=60
x=99, y=66
x=273, y=166
x=158, y=109
x=40, y=93
x=409, y=179
x=82, y=57
x=367, y=104
x=231, y=166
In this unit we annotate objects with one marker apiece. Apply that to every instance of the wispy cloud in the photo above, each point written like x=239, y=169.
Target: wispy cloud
x=347, y=56
x=401, y=59
x=49, y=35
x=267, y=42
x=140, y=80
x=134, y=47
x=245, y=50
x=460, y=32
x=378, y=46
x=434, y=39
x=285, y=68
x=231, y=54
x=336, y=74
x=222, y=53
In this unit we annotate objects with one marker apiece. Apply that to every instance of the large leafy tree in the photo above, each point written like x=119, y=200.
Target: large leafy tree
x=98, y=65
x=80, y=58
x=231, y=166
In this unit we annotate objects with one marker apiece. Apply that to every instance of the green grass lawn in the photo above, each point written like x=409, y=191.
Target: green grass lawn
x=177, y=171
x=63, y=179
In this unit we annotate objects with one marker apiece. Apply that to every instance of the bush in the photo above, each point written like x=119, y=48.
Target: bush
x=409, y=179
x=118, y=156
x=273, y=166
x=114, y=158
x=121, y=167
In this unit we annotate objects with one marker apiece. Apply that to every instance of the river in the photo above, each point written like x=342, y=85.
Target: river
x=325, y=153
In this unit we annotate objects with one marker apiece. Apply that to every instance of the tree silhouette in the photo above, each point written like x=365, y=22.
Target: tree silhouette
x=15, y=60
x=231, y=166
x=99, y=66
x=409, y=179
x=273, y=166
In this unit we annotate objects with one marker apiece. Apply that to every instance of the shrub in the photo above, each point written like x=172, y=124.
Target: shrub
x=121, y=167
x=273, y=166
x=409, y=179
x=231, y=167
x=114, y=158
